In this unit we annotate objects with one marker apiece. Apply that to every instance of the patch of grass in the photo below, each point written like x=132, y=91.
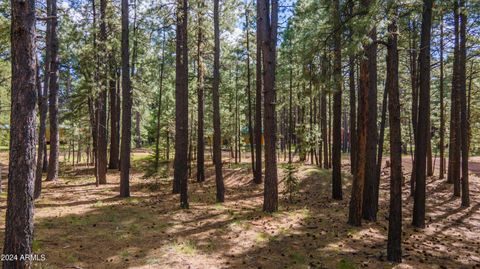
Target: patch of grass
x=219, y=206
x=124, y=253
x=303, y=213
x=98, y=204
x=36, y=246
x=262, y=237
x=317, y=172
x=152, y=261
x=132, y=200
x=79, y=220
x=188, y=247
x=346, y=264
x=297, y=257
x=239, y=165
x=71, y=259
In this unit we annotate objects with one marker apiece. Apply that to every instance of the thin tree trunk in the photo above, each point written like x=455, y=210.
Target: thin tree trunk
x=290, y=116
x=21, y=167
x=126, y=108
x=159, y=106
x=424, y=110
x=381, y=138
x=102, y=102
x=258, y=102
x=52, y=173
x=114, y=120
x=43, y=108
x=442, y=106
x=249, y=97
x=217, y=140
x=200, y=97
x=464, y=123
x=353, y=116
x=337, y=106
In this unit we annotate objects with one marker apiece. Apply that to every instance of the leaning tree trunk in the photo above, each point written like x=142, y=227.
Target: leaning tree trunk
x=181, y=106
x=424, y=110
x=269, y=19
x=52, y=173
x=337, y=107
x=21, y=167
x=217, y=140
x=126, y=108
x=394, y=245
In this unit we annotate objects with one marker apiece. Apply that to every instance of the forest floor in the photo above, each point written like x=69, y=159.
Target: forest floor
x=79, y=225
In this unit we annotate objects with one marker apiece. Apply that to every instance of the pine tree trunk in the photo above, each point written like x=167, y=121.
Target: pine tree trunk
x=125, y=147
x=414, y=82
x=442, y=106
x=52, y=173
x=21, y=167
x=290, y=117
x=453, y=175
x=358, y=185
x=42, y=107
x=370, y=199
x=217, y=139
x=381, y=138
x=324, y=117
x=464, y=121
x=353, y=116
x=424, y=110
x=249, y=97
x=269, y=19
x=200, y=97
x=181, y=105
x=258, y=102
x=394, y=245
x=337, y=106
x=114, y=120
x=159, y=106
x=102, y=102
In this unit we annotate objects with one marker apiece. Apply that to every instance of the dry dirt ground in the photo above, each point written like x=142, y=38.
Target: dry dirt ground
x=79, y=225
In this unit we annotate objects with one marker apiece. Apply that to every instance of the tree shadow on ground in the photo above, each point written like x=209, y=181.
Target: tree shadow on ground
x=90, y=227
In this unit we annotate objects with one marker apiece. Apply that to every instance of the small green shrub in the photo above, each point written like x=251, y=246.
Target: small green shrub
x=291, y=182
